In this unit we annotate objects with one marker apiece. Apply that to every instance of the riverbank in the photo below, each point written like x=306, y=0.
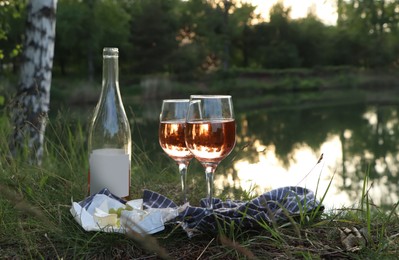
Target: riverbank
x=266, y=88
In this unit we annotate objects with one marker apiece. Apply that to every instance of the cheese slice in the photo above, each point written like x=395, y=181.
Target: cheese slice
x=104, y=219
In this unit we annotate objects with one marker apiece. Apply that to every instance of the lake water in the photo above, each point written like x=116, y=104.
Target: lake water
x=350, y=141
x=309, y=146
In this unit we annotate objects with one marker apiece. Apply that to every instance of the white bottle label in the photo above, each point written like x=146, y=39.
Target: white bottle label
x=109, y=168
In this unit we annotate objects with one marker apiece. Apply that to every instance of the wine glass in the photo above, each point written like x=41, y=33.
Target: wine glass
x=172, y=123
x=210, y=133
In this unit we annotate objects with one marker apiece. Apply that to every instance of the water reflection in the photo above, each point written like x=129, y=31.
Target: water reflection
x=284, y=148
x=270, y=172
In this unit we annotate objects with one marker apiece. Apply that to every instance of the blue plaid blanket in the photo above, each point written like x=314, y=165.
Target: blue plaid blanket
x=277, y=205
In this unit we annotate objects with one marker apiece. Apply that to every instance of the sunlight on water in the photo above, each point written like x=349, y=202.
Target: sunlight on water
x=271, y=173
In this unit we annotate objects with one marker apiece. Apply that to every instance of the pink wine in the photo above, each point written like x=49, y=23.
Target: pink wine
x=171, y=139
x=211, y=141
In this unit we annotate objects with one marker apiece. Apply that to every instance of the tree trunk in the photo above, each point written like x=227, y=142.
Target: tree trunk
x=31, y=106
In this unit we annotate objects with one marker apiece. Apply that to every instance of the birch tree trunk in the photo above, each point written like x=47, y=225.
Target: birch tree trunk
x=31, y=106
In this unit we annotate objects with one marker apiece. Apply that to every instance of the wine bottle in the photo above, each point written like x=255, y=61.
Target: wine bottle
x=109, y=143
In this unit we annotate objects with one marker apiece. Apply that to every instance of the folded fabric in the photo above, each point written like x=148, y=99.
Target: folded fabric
x=88, y=200
x=276, y=205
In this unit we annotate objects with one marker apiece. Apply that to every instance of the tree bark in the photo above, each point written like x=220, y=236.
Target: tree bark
x=31, y=105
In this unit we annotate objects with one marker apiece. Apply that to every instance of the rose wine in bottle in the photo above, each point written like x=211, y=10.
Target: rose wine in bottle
x=109, y=143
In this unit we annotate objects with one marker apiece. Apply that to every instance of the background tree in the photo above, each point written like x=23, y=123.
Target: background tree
x=30, y=109
x=71, y=32
x=369, y=25
x=311, y=40
x=12, y=19
x=239, y=19
x=186, y=38
x=273, y=43
x=199, y=28
x=109, y=27
x=84, y=28
x=216, y=30
x=154, y=28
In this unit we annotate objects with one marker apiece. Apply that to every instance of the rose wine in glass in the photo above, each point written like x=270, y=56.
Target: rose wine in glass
x=171, y=136
x=210, y=133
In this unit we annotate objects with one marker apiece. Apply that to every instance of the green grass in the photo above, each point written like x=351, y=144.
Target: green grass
x=35, y=221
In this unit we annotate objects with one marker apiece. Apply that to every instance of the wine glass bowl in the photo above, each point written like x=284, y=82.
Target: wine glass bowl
x=210, y=141
x=210, y=133
x=171, y=139
x=172, y=123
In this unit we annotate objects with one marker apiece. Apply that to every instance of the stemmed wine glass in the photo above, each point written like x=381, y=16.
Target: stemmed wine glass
x=210, y=133
x=171, y=136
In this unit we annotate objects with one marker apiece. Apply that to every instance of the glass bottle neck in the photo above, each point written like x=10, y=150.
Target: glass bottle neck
x=110, y=70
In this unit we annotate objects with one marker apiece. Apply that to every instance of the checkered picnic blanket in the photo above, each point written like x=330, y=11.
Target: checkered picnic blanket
x=277, y=205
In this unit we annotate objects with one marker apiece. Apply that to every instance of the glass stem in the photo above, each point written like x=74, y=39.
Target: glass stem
x=209, y=172
x=183, y=177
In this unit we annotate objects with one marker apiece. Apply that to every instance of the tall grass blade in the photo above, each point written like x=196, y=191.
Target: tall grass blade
x=365, y=202
x=316, y=211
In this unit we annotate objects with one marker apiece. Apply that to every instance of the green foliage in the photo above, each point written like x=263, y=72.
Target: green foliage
x=12, y=21
x=190, y=38
x=85, y=27
x=311, y=41
x=154, y=26
x=186, y=61
x=70, y=33
x=371, y=27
